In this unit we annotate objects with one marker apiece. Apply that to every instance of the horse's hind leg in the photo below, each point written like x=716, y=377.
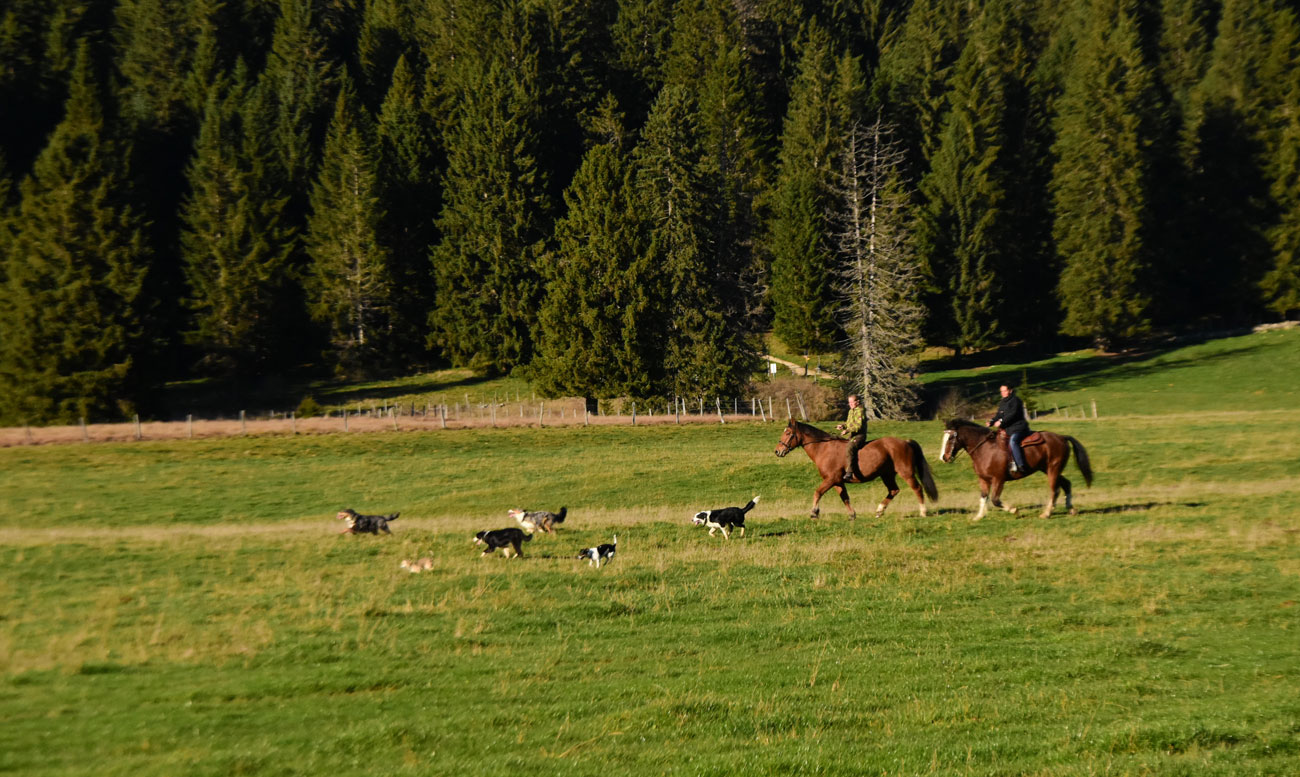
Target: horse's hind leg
x=1064, y=482
x=891, y=485
x=916, y=489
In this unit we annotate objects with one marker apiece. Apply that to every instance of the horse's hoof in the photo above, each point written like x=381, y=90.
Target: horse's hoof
x=1012, y=510
x=1074, y=511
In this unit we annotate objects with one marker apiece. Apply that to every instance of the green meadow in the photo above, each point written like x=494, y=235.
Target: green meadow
x=188, y=607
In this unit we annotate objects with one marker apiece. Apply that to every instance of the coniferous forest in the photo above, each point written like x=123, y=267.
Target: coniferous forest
x=618, y=197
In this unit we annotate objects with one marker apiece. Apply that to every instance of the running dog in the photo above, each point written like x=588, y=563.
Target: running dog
x=600, y=553
x=365, y=524
x=728, y=519
x=539, y=520
x=505, y=539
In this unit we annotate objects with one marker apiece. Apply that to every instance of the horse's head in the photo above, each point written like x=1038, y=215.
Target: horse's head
x=959, y=435
x=789, y=440
x=952, y=440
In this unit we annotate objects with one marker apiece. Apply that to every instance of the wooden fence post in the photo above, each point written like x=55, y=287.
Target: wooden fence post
x=788, y=414
x=634, y=414
x=293, y=421
x=345, y=419
x=137, y=427
x=243, y=425
x=85, y=437
x=540, y=408
x=1094, y=409
x=189, y=425
x=443, y=413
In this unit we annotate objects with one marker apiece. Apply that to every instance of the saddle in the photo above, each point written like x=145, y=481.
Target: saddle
x=1033, y=438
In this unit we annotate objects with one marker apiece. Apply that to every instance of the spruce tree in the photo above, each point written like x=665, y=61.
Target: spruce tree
x=674, y=200
x=70, y=341
x=798, y=232
x=598, y=323
x=235, y=244
x=411, y=196
x=493, y=218
x=350, y=283
x=966, y=230
x=1100, y=186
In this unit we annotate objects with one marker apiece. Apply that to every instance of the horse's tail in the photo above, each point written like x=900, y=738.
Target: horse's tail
x=1081, y=458
x=922, y=468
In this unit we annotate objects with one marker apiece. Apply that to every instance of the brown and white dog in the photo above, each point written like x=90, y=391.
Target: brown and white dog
x=539, y=520
x=365, y=524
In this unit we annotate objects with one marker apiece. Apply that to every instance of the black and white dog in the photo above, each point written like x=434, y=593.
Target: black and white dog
x=505, y=539
x=727, y=519
x=600, y=553
x=539, y=520
x=365, y=524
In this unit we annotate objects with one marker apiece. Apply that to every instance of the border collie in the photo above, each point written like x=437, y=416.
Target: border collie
x=505, y=539
x=539, y=520
x=365, y=524
x=728, y=519
x=600, y=553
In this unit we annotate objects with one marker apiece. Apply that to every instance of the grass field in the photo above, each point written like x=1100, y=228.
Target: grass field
x=187, y=607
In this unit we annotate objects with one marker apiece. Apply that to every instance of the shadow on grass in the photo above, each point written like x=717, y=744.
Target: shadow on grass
x=220, y=397
x=1064, y=375
x=343, y=393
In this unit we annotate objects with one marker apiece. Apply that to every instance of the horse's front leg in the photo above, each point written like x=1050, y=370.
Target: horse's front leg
x=998, y=483
x=844, y=497
x=891, y=491
x=817, y=496
x=984, y=500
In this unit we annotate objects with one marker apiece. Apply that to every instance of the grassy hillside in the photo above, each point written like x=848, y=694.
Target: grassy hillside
x=188, y=608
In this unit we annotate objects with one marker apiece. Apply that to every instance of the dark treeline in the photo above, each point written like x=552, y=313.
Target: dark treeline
x=616, y=197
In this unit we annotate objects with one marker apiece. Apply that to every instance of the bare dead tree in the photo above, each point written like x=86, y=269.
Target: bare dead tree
x=880, y=279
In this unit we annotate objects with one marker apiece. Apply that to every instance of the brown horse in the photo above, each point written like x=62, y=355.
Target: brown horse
x=883, y=458
x=1044, y=452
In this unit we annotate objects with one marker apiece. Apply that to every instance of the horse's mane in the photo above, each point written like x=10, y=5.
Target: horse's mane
x=961, y=423
x=813, y=433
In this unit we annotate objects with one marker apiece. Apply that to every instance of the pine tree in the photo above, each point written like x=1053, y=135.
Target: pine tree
x=234, y=242
x=598, y=321
x=673, y=198
x=798, y=233
x=915, y=66
x=879, y=273
x=350, y=284
x=71, y=337
x=1100, y=186
x=300, y=79
x=1281, y=283
x=734, y=166
x=411, y=196
x=492, y=220
x=965, y=229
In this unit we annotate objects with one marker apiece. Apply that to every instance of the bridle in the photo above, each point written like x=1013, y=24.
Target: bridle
x=951, y=434
x=782, y=448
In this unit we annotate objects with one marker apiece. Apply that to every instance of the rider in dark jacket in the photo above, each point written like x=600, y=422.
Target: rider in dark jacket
x=1011, y=416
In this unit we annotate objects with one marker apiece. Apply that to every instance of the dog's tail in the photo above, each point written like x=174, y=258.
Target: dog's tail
x=393, y=517
x=751, y=504
x=559, y=517
x=528, y=536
